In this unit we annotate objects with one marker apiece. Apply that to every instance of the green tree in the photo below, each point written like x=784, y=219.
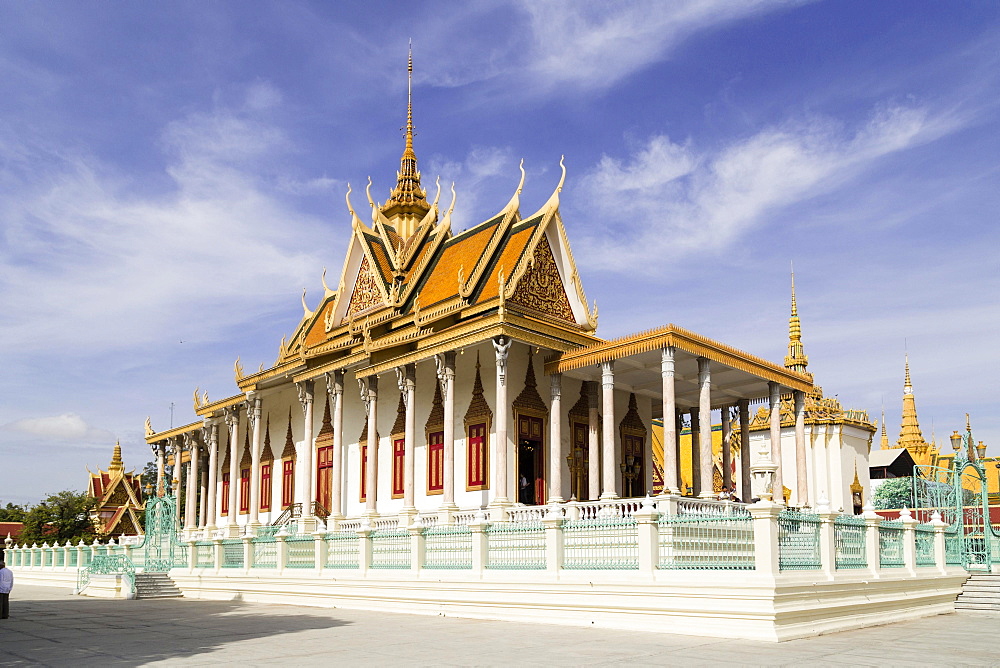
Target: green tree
x=148, y=477
x=13, y=513
x=894, y=493
x=64, y=516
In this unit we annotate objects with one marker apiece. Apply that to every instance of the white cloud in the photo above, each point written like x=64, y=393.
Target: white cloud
x=473, y=176
x=94, y=261
x=65, y=427
x=594, y=44
x=669, y=198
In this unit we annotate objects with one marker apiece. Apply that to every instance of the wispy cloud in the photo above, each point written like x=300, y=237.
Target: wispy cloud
x=474, y=176
x=65, y=427
x=95, y=260
x=593, y=44
x=669, y=198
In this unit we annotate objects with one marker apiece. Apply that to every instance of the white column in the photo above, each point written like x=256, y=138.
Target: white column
x=695, y=415
x=191, y=493
x=369, y=394
x=705, y=440
x=593, y=445
x=161, y=467
x=727, y=455
x=203, y=499
x=775, y=406
x=253, y=413
x=233, y=422
x=178, y=480
x=501, y=346
x=446, y=376
x=213, y=477
x=406, y=376
x=801, y=470
x=609, y=464
x=305, y=455
x=745, y=478
x=335, y=387
x=555, y=440
x=670, y=483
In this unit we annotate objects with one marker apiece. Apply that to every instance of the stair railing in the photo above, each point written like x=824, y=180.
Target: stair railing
x=107, y=564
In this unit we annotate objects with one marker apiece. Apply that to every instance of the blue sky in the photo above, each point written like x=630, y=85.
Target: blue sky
x=172, y=175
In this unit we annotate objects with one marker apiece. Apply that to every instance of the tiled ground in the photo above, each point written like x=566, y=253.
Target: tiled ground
x=48, y=626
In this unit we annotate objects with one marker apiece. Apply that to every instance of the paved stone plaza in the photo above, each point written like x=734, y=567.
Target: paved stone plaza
x=48, y=626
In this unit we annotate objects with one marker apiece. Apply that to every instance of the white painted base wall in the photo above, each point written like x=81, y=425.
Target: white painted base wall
x=718, y=604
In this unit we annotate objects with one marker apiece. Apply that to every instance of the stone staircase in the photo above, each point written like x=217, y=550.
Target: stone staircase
x=155, y=585
x=980, y=592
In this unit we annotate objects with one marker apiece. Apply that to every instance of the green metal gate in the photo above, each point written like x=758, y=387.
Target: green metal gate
x=160, y=546
x=961, y=495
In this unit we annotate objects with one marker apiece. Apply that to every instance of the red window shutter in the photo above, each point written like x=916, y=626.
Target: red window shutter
x=225, y=493
x=435, y=462
x=364, y=471
x=265, y=486
x=398, y=459
x=476, y=459
x=287, y=483
x=245, y=490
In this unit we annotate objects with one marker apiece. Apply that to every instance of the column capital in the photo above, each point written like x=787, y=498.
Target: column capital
x=334, y=383
x=305, y=390
x=608, y=373
x=555, y=385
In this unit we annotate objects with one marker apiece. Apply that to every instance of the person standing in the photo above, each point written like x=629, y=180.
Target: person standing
x=6, y=584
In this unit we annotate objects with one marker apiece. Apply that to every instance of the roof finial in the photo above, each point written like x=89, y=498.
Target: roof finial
x=909, y=430
x=116, y=467
x=796, y=359
x=884, y=443
x=407, y=199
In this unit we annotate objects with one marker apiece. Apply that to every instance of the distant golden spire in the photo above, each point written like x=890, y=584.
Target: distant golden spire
x=407, y=200
x=909, y=431
x=117, y=468
x=796, y=359
x=884, y=443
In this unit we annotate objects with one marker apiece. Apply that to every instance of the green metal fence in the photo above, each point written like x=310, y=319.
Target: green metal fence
x=603, y=543
x=798, y=541
x=390, y=548
x=448, y=547
x=707, y=542
x=890, y=544
x=515, y=546
x=342, y=549
x=232, y=553
x=204, y=554
x=954, y=546
x=849, y=539
x=924, y=537
x=300, y=552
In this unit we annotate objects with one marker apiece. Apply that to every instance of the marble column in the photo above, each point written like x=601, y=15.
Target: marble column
x=335, y=388
x=555, y=439
x=446, y=376
x=501, y=346
x=178, y=480
x=369, y=394
x=775, y=406
x=593, y=444
x=609, y=490
x=211, y=498
x=233, y=422
x=745, y=478
x=406, y=377
x=727, y=454
x=705, y=437
x=695, y=417
x=253, y=415
x=670, y=482
x=305, y=456
x=161, y=449
x=801, y=468
x=191, y=491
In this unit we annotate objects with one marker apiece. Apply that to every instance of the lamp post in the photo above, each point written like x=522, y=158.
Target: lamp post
x=967, y=444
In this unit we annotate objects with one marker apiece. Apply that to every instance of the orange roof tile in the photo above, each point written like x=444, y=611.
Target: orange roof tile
x=512, y=251
x=462, y=251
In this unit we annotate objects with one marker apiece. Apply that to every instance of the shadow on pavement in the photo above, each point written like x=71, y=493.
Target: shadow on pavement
x=52, y=627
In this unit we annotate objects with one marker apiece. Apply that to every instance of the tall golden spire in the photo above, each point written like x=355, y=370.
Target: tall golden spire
x=884, y=443
x=116, y=468
x=909, y=431
x=796, y=359
x=407, y=201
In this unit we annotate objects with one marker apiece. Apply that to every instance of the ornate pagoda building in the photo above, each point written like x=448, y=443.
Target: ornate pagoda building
x=837, y=440
x=449, y=373
x=118, y=497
